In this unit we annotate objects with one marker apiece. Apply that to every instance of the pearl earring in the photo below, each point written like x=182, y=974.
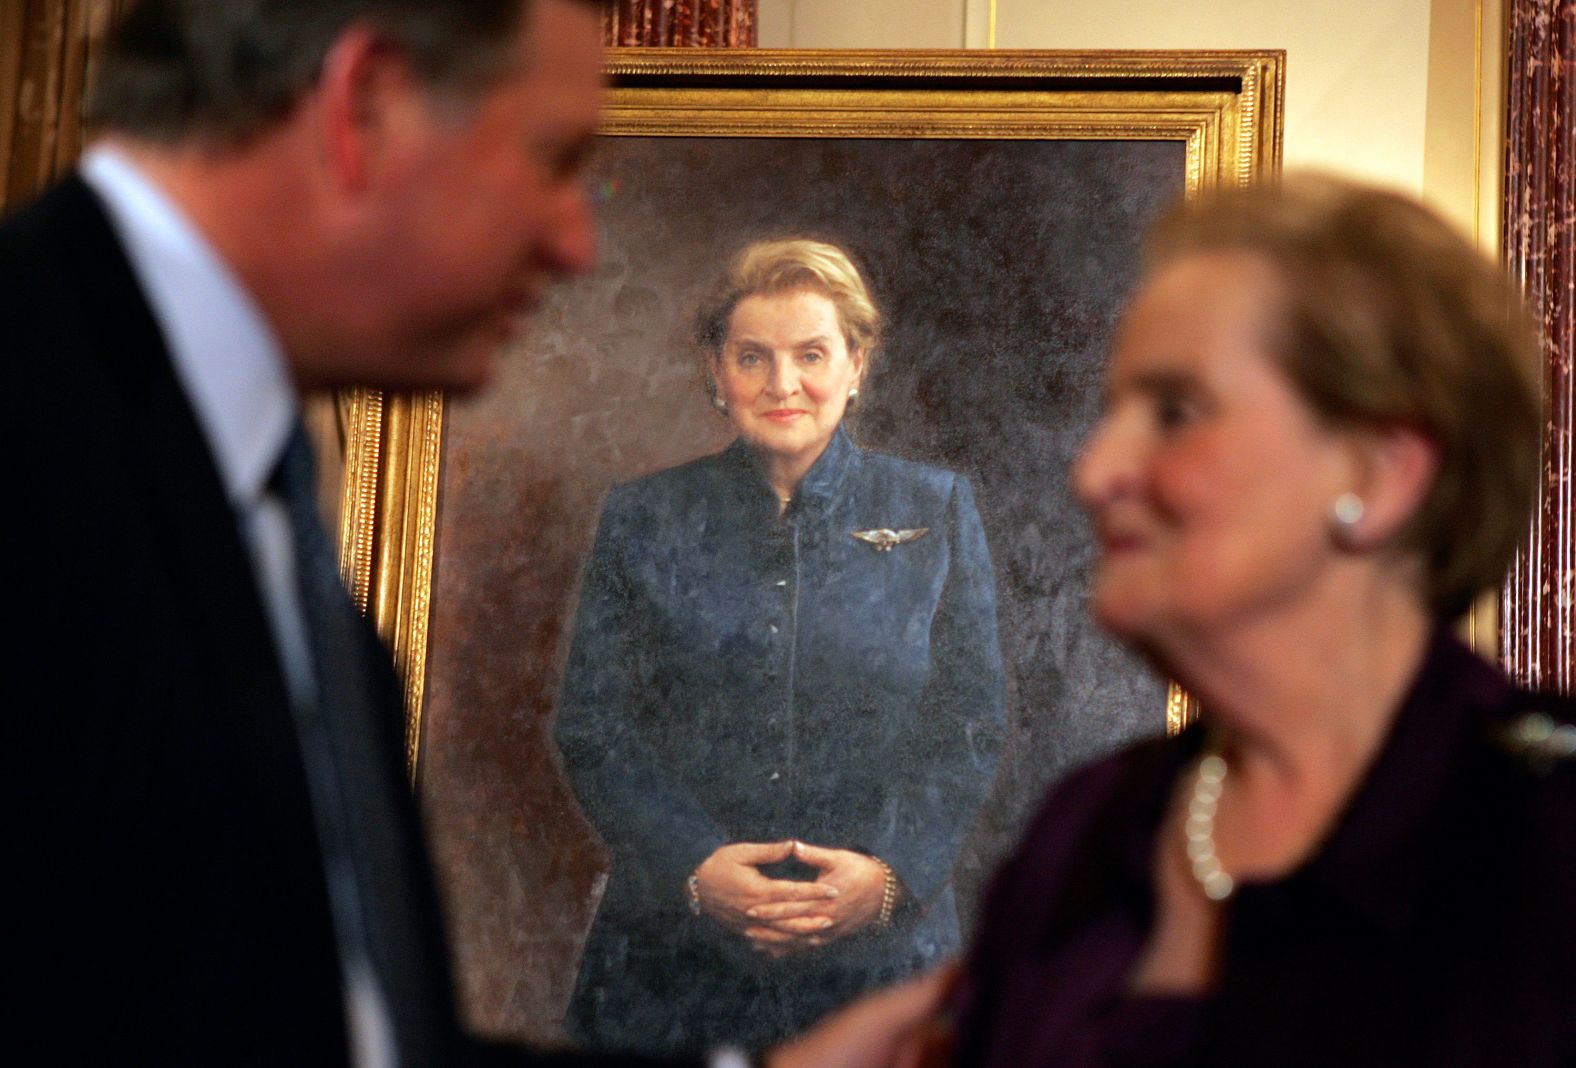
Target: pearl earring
x=853, y=393
x=1346, y=511
x=716, y=395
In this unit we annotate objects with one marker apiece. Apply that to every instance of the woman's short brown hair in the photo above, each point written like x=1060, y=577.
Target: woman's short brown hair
x=1391, y=318
x=784, y=266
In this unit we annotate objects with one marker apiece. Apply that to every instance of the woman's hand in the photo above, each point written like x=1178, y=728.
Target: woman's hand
x=859, y=880
x=732, y=889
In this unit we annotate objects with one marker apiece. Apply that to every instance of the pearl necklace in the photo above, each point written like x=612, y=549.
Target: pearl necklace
x=1200, y=829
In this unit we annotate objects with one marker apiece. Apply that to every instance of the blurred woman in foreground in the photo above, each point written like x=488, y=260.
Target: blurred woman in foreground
x=1320, y=441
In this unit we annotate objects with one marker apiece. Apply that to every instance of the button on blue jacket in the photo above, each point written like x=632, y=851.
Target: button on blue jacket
x=736, y=675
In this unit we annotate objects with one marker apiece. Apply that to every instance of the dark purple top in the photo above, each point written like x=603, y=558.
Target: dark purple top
x=1436, y=925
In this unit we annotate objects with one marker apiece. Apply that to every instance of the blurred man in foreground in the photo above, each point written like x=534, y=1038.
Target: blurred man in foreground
x=218, y=859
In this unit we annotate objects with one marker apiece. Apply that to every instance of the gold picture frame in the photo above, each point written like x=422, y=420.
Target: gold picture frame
x=1223, y=110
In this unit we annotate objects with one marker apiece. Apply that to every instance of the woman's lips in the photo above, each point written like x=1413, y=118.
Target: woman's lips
x=783, y=415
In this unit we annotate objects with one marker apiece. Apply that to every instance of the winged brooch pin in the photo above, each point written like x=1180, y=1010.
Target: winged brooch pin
x=882, y=540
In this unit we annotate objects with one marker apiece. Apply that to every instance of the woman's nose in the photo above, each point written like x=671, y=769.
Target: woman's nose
x=1107, y=465
x=784, y=380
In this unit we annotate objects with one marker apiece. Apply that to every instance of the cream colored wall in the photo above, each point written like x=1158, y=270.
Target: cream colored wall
x=1387, y=90
x=1463, y=164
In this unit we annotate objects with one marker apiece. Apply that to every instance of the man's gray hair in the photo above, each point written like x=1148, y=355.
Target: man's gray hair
x=224, y=70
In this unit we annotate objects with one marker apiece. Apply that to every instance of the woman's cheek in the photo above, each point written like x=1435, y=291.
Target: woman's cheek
x=1193, y=477
x=814, y=389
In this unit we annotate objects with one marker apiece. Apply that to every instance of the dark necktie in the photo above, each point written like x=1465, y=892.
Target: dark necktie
x=350, y=749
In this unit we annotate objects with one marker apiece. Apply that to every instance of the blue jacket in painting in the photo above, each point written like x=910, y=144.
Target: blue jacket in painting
x=739, y=676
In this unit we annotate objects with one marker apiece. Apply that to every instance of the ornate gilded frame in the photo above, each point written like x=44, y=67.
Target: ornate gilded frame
x=1225, y=107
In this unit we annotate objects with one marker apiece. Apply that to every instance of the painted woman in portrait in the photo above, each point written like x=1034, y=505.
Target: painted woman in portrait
x=783, y=702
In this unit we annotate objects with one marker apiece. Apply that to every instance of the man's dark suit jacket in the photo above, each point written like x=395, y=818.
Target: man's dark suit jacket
x=169, y=903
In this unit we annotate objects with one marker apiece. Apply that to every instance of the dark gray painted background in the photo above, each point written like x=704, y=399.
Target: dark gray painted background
x=1000, y=266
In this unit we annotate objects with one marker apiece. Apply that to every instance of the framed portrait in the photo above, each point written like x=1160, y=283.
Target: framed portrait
x=609, y=681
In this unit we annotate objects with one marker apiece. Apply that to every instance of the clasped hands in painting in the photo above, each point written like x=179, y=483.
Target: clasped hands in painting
x=781, y=917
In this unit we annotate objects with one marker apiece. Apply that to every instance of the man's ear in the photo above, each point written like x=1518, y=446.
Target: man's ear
x=1397, y=465
x=363, y=76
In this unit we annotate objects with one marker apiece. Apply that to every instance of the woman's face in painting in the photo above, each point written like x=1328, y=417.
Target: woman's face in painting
x=1208, y=478
x=784, y=371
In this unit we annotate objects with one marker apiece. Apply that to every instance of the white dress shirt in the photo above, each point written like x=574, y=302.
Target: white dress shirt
x=231, y=367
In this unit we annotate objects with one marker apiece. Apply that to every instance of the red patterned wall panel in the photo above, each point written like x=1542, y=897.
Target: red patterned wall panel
x=1538, y=640
x=680, y=23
